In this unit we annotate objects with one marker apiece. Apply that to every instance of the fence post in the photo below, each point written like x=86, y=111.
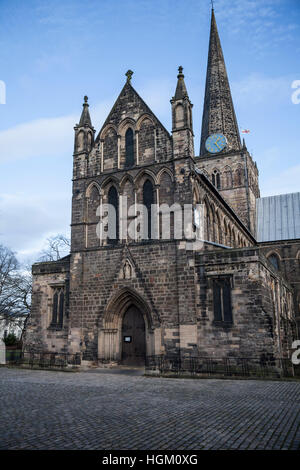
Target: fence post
x=2, y=352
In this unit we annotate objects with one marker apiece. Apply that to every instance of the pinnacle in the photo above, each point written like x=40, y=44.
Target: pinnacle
x=85, y=119
x=181, y=91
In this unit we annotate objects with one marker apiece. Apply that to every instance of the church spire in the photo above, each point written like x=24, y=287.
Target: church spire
x=85, y=119
x=181, y=90
x=218, y=111
x=182, y=121
x=84, y=131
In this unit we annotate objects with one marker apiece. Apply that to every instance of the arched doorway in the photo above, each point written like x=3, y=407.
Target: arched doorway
x=110, y=333
x=133, y=337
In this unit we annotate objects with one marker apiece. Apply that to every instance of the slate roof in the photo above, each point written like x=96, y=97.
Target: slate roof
x=278, y=217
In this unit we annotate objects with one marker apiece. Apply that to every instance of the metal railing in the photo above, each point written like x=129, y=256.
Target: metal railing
x=43, y=360
x=224, y=367
x=170, y=365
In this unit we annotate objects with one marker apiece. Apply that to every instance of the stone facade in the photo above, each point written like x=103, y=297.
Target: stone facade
x=218, y=298
x=288, y=256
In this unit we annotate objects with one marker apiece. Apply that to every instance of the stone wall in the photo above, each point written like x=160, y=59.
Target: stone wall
x=98, y=279
x=258, y=312
x=40, y=334
x=288, y=252
x=238, y=182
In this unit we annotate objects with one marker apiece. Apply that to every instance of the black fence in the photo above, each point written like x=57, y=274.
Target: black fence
x=43, y=360
x=224, y=367
x=192, y=366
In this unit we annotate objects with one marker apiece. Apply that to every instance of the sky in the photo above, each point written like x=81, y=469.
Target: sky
x=54, y=52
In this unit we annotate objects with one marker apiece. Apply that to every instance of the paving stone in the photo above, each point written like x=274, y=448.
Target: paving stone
x=60, y=410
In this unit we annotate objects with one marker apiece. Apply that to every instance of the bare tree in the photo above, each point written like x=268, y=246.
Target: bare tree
x=15, y=289
x=9, y=299
x=57, y=247
x=16, y=281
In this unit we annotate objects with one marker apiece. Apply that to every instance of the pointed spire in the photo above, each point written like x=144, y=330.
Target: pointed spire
x=181, y=91
x=218, y=111
x=85, y=119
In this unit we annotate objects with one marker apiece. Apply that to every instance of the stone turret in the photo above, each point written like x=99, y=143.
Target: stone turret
x=182, y=122
x=84, y=131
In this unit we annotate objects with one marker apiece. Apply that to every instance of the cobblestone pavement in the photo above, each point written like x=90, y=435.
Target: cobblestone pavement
x=61, y=410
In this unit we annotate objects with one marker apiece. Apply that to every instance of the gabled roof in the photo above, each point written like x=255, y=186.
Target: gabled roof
x=278, y=217
x=127, y=96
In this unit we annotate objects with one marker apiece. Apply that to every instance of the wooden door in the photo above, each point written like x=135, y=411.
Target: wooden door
x=133, y=338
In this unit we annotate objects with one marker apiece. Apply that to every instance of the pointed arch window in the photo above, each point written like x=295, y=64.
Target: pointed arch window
x=239, y=176
x=222, y=301
x=148, y=200
x=228, y=177
x=113, y=216
x=129, y=148
x=179, y=116
x=58, y=307
x=54, y=308
x=273, y=258
x=216, y=180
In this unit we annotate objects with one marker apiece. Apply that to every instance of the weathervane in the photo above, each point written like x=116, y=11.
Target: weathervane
x=212, y=4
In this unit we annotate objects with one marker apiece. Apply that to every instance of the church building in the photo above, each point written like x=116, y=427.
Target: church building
x=126, y=298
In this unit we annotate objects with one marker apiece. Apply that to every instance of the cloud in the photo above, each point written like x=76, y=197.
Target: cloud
x=262, y=19
x=26, y=221
x=286, y=181
x=256, y=89
x=47, y=137
x=44, y=137
x=39, y=138
x=28, y=218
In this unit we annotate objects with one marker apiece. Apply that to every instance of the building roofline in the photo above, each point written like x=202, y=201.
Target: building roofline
x=216, y=192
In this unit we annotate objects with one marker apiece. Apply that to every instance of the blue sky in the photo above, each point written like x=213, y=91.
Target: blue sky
x=55, y=51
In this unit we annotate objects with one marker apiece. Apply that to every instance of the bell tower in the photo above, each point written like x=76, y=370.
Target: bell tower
x=223, y=158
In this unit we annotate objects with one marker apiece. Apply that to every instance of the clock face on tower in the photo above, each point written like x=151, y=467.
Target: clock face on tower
x=215, y=143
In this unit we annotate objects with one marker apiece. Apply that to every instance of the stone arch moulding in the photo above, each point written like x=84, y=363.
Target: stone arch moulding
x=125, y=124
x=106, y=129
x=110, y=331
x=146, y=173
x=142, y=118
x=197, y=193
x=79, y=141
x=90, y=187
x=273, y=252
x=110, y=181
x=127, y=270
x=126, y=178
x=275, y=259
x=162, y=171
